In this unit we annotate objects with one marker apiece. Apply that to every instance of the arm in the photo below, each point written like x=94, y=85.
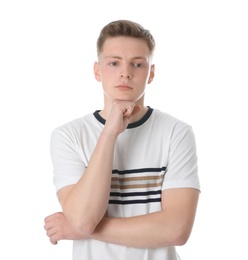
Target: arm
x=169, y=227
x=173, y=224
x=84, y=203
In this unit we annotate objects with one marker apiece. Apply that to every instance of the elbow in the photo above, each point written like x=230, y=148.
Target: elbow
x=86, y=228
x=176, y=237
x=180, y=237
x=82, y=223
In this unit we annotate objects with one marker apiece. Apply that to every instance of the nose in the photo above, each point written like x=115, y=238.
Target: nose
x=126, y=76
x=126, y=73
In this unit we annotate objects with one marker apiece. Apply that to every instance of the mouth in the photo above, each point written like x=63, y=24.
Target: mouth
x=123, y=87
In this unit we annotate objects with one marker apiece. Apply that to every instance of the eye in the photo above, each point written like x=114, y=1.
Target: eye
x=137, y=65
x=113, y=63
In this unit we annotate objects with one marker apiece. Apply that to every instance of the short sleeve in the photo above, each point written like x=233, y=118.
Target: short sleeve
x=68, y=167
x=182, y=168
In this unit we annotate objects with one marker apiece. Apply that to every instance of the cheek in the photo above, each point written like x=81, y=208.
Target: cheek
x=104, y=73
x=107, y=76
x=145, y=77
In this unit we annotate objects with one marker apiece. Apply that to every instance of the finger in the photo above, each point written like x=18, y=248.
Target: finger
x=129, y=110
x=52, y=216
x=53, y=236
x=129, y=118
x=53, y=241
x=51, y=232
x=135, y=110
x=48, y=225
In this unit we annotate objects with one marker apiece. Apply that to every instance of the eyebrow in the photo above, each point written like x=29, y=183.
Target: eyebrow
x=119, y=58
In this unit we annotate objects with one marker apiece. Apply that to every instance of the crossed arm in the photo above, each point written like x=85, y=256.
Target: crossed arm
x=170, y=226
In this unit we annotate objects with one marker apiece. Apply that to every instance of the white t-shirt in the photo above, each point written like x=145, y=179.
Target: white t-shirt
x=158, y=152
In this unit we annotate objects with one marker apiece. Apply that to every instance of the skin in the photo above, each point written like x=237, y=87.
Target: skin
x=124, y=68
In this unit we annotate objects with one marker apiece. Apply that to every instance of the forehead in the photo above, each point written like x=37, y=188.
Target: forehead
x=125, y=45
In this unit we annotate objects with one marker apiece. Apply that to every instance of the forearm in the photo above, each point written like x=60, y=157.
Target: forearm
x=147, y=231
x=87, y=201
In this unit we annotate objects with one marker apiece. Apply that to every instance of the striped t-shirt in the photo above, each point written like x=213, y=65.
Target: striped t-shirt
x=156, y=153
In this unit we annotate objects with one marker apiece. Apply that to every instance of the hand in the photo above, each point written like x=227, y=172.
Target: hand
x=120, y=115
x=57, y=228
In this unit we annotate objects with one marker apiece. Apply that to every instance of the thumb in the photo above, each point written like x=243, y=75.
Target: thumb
x=136, y=110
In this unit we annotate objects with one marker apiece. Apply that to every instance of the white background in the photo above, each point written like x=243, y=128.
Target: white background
x=47, y=51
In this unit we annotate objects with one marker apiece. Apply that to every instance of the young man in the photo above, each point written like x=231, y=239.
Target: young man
x=126, y=176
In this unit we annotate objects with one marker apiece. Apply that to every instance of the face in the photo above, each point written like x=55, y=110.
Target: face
x=124, y=68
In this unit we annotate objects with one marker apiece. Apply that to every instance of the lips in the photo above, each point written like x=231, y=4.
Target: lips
x=124, y=87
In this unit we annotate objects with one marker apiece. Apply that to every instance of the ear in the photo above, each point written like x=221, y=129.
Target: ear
x=97, y=71
x=152, y=73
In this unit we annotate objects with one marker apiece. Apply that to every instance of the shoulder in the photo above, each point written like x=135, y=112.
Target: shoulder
x=172, y=129
x=75, y=124
x=168, y=121
x=74, y=129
